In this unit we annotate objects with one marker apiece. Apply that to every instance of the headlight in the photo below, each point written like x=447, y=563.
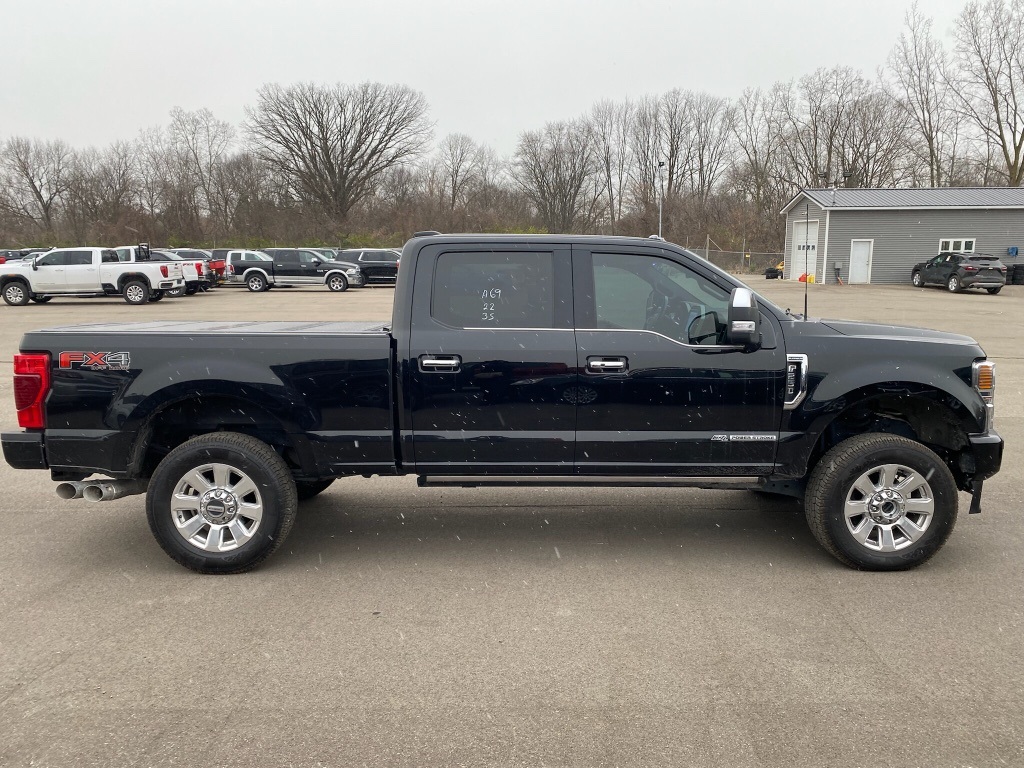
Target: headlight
x=352, y=272
x=984, y=380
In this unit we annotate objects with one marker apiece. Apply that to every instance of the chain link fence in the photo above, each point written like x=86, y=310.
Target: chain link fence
x=738, y=262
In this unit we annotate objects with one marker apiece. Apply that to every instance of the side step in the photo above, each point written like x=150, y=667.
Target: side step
x=587, y=481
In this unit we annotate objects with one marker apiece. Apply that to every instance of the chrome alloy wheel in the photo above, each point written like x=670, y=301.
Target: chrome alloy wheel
x=15, y=294
x=216, y=508
x=888, y=508
x=135, y=294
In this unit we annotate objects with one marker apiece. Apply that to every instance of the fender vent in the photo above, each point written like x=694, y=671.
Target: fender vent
x=796, y=381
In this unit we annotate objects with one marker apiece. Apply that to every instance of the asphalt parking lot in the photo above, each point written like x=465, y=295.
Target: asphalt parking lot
x=475, y=627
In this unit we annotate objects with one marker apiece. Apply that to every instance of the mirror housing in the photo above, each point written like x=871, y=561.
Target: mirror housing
x=744, y=319
x=35, y=263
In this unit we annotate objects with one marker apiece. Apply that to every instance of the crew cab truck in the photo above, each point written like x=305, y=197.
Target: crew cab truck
x=85, y=272
x=528, y=360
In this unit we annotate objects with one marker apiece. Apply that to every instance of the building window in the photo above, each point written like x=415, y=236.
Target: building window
x=957, y=245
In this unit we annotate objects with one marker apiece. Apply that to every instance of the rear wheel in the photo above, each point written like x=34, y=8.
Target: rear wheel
x=175, y=292
x=136, y=292
x=191, y=289
x=221, y=503
x=917, y=280
x=155, y=296
x=994, y=291
x=337, y=283
x=954, y=284
x=881, y=502
x=16, y=294
x=256, y=283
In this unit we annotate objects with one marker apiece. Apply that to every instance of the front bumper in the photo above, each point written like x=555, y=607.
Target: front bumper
x=986, y=449
x=24, y=450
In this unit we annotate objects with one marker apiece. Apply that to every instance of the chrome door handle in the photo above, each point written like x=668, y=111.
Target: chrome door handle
x=607, y=365
x=440, y=363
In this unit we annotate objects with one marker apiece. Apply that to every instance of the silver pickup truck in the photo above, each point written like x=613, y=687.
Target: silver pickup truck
x=86, y=272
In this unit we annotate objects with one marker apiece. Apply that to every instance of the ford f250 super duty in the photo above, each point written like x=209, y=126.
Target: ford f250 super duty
x=546, y=360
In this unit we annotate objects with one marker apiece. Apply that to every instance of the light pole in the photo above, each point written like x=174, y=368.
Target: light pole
x=661, y=199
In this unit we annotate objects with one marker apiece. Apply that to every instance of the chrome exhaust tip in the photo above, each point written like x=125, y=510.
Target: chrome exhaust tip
x=71, y=489
x=108, y=490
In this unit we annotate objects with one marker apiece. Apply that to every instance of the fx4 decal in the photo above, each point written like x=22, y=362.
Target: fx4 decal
x=96, y=361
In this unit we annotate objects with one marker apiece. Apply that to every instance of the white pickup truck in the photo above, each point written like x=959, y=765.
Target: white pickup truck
x=86, y=272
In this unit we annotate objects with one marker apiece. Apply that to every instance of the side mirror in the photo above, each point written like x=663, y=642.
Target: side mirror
x=316, y=262
x=35, y=264
x=744, y=318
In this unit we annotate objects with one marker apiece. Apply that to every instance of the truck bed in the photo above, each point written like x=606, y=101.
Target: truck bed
x=235, y=328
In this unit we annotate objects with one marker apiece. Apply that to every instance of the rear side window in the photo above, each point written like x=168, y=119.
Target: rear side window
x=108, y=257
x=494, y=290
x=79, y=258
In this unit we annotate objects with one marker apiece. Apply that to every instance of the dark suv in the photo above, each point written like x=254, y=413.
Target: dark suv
x=957, y=271
x=380, y=265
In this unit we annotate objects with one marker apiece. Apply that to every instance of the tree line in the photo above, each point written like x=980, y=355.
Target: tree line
x=349, y=164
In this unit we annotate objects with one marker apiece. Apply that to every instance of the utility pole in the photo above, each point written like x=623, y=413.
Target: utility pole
x=661, y=198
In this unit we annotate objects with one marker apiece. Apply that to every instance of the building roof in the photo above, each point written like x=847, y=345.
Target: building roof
x=912, y=199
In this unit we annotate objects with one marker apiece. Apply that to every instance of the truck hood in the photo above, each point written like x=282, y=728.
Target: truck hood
x=894, y=332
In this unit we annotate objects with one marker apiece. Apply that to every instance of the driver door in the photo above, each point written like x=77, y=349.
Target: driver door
x=661, y=392
x=51, y=274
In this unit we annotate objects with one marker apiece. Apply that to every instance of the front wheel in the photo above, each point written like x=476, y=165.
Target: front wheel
x=221, y=503
x=954, y=284
x=16, y=294
x=994, y=291
x=136, y=292
x=917, y=280
x=881, y=502
x=337, y=283
x=155, y=296
x=256, y=283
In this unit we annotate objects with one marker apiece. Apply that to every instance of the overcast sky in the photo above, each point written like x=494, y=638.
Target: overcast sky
x=93, y=71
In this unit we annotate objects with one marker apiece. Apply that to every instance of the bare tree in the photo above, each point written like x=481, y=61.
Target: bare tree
x=988, y=78
x=333, y=143
x=610, y=126
x=710, y=129
x=558, y=169
x=34, y=178
x=459, y=157
x=920, y=67
x=201, y=144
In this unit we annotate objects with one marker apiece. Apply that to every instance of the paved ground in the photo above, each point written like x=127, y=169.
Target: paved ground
x=513, y=627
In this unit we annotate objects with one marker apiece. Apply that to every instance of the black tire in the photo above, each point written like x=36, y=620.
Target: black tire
x=41, y=299
x=994, y=291
x=307, y=489
x=191, y=290
x=155, y=296
x=953, y=285
x=174, y=293
x=16, y=293
x=917, y=280
x=180, y=530
x=833, y=486
x=256, y=283
x=135, y=292
x=337, y=283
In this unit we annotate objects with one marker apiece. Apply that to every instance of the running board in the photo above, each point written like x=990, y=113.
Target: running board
x=586, y=481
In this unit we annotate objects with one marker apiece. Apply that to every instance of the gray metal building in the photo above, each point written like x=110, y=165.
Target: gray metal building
x=877, y=235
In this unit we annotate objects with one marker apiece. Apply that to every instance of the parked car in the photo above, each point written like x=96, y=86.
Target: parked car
x=380, y=265
x=518, y=360
x=216, y=264
x=253, y=269
x=775, y=273
x=192, y=271
x=86, y=272
x=305, y=266
x=957, y=271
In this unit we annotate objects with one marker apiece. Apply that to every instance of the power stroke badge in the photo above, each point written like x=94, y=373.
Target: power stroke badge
x=96, y=361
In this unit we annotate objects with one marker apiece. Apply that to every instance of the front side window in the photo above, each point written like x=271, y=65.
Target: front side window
x=53, y=259
x=645, y=293
x=494, y=290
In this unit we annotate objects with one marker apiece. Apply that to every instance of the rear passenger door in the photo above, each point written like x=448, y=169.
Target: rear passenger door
x=286, y=267
x=491, y=381
x=81, y=273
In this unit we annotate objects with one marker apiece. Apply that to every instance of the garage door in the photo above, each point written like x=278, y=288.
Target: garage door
x=803, y=253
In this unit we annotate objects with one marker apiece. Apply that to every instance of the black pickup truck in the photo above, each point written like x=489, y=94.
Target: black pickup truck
x=545, y=360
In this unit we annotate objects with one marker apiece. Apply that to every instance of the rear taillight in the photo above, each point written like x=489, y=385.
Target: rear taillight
x=31, y=383
x=970, y=269
x=163, y=270
x=229, y=269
